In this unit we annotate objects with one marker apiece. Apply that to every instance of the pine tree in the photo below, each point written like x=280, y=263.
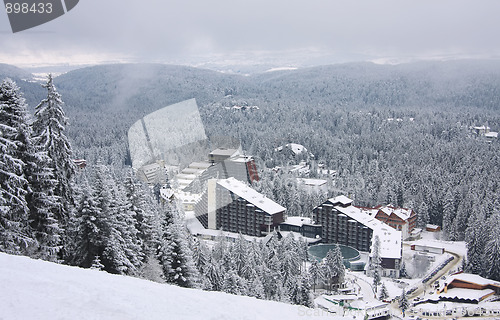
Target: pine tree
x=212, y=272
x=333, y=267
x=239, y=255
x=423, y=215
x=96, y=264
x=403, y=273
x=383, y=293
x=256, y=288
x=289, y=258
x=89, y=224
x=403, y=302
x=123, y=250
x=449, y=214
x=476, y=238
x=301, y=293
x=375, y=261
x=15, y=235
x=48, y=134
x=316, y=273
x=145, y=214
x=339, y=260
x=492, y=253
x=43, y=205
x=234, y=284
x=175, y=255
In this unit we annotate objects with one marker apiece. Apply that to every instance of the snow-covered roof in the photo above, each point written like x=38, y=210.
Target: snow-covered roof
x=298, y=221
x=390, y=239
x=372, y=212
x=200, y=165
x=402, y=213
x=298, y=236
x=224, y=152
x=296, y=148
x=472, y=278
x=187, y=197
x=491, y=134
x=166, y=193
x=466, y=294
x=341, y=199
x=482, y=128
x=312, y=182
x=241, y=158
x=191, y=170
x=250, y=195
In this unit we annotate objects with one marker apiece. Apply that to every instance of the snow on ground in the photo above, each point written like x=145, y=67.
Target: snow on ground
x=35, y=289
x=432, y=239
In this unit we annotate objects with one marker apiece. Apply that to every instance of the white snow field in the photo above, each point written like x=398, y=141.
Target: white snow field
x=35, y=289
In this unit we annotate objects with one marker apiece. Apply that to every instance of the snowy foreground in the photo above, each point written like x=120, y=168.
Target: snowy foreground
x=34, y=289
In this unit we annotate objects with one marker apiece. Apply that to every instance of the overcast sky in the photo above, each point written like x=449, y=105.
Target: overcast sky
x=193, y=30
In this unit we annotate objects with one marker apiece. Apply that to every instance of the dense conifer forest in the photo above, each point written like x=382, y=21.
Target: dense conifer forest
x=394, y=134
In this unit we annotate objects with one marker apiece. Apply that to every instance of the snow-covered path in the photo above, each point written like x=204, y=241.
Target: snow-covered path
x=365, y=288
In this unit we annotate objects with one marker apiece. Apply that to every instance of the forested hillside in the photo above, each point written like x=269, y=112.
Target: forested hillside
x=396, y=134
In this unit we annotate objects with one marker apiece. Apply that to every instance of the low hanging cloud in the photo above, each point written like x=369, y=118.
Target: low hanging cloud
x=155, y=30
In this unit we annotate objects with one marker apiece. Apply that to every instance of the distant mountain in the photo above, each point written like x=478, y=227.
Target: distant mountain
x=142, y=88
x=146, y=87
x=7, y=70
x=33, y=91
x=462, y=83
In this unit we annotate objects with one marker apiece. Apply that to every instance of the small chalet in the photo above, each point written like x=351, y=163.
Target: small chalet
x=80, y=163
x=432, y=228
x=401, y=219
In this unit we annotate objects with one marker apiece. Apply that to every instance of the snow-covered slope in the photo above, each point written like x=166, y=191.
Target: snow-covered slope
x=34, y=289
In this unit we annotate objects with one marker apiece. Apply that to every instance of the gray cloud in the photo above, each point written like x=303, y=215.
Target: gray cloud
x=164, y=30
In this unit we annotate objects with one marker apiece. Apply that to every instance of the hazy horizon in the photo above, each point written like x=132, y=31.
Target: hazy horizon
x=233, y=36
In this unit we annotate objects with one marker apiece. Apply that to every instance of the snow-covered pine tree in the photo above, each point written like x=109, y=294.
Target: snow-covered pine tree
x=145, y=213
x=175, y=255
x=96, y=264
x=104, y=227
x=375, y=261
x=423, y=215
x=383, y=293
x=256, y=288
x=403, y=302
x=123, y=249
x=43, y=204
x=290, y=259
x=234, y=284
x=201, y=254
x=15, y=235
x=315, y=272
x=492, y=253
x=403, y=273
x=88, y=225
x=48, y=132
x=449, y=214
x=239, y=255
x=213, y=274
x=339, y=259
x=476, y=238
x=333, y=267
x=301, y=293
